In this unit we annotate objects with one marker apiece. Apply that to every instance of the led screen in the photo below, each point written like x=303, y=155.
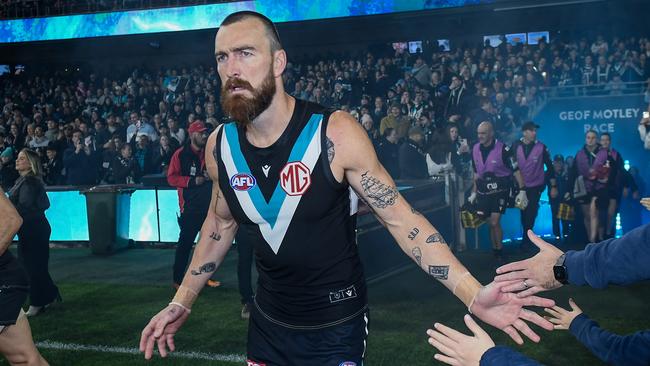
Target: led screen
x=202, y=17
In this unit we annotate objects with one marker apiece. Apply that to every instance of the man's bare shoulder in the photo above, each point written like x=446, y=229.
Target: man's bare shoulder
x=349, y=139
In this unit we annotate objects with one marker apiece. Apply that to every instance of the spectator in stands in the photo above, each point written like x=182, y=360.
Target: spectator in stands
x=125, y=168
x=80, y=162
x=412, y=161
x=387, y=152
x=8, y=173
x=140, y=125
x=396, y=121
x=176, y=132
x=369, y=125
x=142, y=152
x=53, y=167
x=163, y=154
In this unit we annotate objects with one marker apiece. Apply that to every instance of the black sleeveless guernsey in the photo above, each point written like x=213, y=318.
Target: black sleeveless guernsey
x=288, y=203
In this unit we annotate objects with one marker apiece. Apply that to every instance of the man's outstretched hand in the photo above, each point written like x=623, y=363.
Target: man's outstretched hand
x=531, y=275
x=506, y=311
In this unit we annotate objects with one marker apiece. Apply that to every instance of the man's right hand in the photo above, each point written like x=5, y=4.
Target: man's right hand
x=199, y=180
x=161, y=330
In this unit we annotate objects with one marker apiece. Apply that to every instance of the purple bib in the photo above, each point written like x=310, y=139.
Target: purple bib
x=532, y=168
x=494, y=162
x=582, y=161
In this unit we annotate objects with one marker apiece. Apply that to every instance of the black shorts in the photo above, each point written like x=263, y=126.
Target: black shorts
x=602, y=198
x=487, y=204
x=271, y=344
x=14, y=289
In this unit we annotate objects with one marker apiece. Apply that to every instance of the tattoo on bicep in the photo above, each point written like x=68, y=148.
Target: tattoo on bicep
x=206, y=268
x=330, y=150
x=439, y=272
x=417, y=255
x=215, y=236
x=414, y=233
x=379, y=194
x=436, y=238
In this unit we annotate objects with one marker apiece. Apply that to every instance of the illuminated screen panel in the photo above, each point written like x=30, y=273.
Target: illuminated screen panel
x=202, y=17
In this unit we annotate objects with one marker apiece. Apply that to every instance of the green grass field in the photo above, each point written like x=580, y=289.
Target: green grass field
x=107, y=301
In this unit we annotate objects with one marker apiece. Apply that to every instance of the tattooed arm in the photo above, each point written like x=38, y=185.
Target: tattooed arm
x=355, y=161
x=216, y=237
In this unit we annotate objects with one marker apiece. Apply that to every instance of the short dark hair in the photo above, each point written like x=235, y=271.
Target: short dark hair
x=606, y=134
x=269, y=27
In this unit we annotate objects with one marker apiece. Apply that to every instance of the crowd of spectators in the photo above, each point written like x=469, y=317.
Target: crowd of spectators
x=114, y=128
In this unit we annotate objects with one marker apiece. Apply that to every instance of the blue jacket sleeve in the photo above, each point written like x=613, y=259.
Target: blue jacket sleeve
x=618, y=261
x=505, y=356
x=613, y=349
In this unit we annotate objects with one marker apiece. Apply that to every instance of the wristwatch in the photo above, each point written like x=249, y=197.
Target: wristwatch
x=559, y=270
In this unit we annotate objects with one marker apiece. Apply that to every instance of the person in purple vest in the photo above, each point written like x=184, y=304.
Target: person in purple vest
x=591, y=164
x=532, y=156
x=494, y=165
x=618, y=184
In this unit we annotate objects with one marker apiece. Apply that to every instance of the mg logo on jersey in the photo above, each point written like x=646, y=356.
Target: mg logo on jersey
x=242, y=182
x=295, y=178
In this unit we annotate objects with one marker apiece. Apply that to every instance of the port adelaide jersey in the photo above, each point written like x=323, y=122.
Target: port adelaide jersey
x=288, y=203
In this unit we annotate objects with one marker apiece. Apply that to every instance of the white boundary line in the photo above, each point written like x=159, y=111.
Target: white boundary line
x=135, y=351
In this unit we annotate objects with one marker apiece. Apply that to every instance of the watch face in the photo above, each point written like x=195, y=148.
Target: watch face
x=560, y=274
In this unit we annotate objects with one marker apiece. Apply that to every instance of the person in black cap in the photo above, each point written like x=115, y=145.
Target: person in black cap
x=532, y=156
x=187, y=173
x=53, y=167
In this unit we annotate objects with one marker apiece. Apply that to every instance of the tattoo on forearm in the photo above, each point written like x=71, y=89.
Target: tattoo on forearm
x=417, y=254
x=379, y=194
x=415, y=211
x=414, y=233
x=206, y=268
x=436, y=238
x=172, y=310
x=439, y=272
x=215, y=236
x=330, y=150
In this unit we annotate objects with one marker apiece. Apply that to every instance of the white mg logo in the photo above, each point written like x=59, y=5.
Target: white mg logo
x=295, y=178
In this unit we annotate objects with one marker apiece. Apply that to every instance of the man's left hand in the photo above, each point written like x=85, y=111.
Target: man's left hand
x=534, y=274
x=506, y=311
x=553, y=192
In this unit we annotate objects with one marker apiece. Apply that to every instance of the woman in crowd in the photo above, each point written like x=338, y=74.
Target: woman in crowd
x=29, y=197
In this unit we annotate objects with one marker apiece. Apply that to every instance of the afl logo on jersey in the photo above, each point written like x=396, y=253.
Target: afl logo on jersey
x=242, y=182
x=295, y=178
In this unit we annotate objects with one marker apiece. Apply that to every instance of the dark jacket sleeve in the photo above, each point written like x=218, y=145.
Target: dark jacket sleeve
x=412, y=164
x=618, y=261
x=31, y=198
x=174, y=177
x=550, y=172
x=505, y=356
x=613, y=349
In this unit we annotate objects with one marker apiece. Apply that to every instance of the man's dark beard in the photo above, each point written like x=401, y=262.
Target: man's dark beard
x=244, y=109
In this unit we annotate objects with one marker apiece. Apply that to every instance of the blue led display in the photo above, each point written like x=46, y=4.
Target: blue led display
x=202, y=17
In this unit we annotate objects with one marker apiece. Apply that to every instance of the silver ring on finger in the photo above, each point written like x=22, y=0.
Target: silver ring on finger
x=525, y=285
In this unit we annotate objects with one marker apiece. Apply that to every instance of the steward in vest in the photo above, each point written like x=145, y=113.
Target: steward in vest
x=494, y=165
x=532, y=156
